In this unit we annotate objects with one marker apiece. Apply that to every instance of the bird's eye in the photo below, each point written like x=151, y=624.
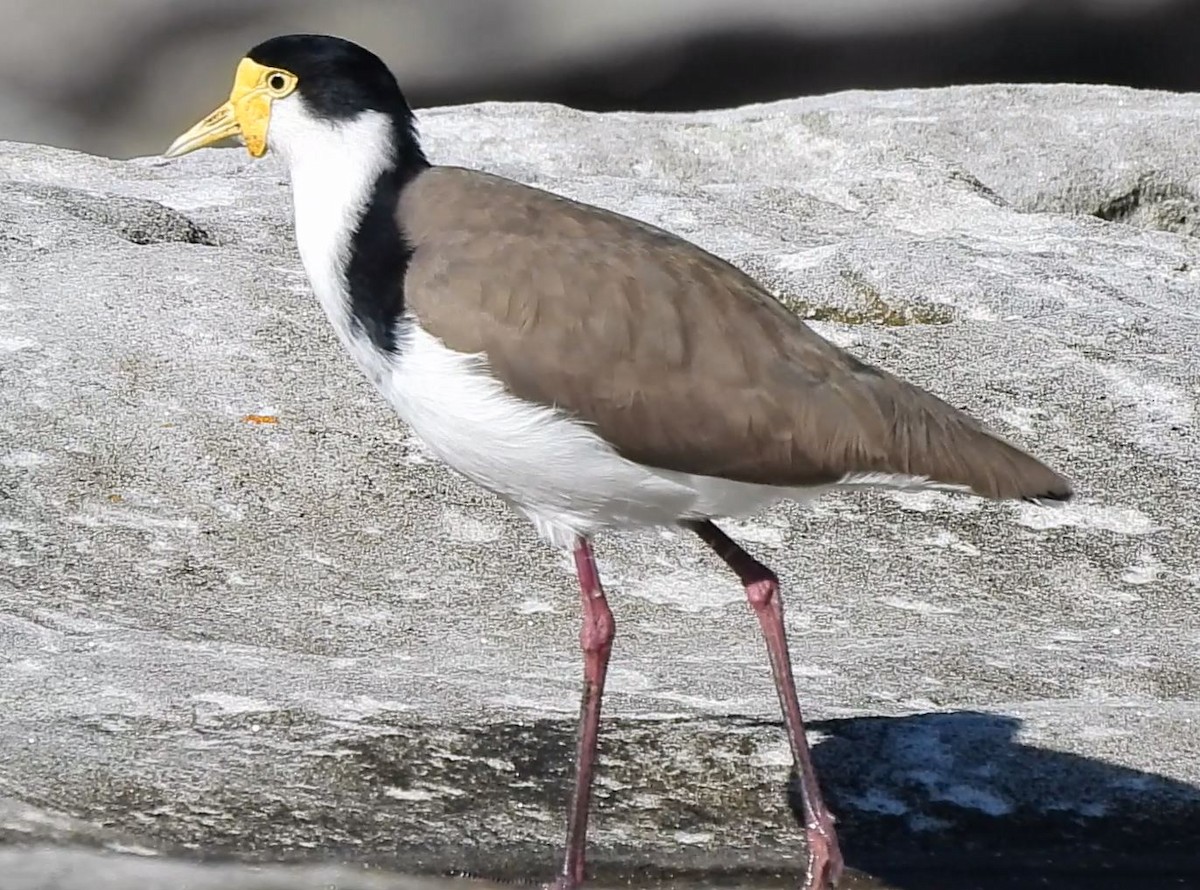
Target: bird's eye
x=277, y=82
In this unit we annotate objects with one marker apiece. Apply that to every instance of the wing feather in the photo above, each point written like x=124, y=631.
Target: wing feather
x=676, y=357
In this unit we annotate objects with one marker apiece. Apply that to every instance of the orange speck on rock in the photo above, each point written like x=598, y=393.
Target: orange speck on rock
x=261, y=418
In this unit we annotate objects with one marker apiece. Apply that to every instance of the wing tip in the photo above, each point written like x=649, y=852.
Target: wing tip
x=1060, y=493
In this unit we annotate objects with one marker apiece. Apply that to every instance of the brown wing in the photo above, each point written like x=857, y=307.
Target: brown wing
x=677, y=358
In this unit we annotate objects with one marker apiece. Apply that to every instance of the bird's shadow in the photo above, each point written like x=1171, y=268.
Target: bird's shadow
x=962, y=800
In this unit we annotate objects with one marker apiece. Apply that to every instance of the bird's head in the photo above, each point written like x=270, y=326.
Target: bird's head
x=292, y=88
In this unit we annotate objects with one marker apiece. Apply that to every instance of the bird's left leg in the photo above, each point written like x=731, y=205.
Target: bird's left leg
x=595, y=638
x=762, y=592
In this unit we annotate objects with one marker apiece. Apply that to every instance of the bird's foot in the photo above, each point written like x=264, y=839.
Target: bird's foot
x=825, y=864
x=562, y=883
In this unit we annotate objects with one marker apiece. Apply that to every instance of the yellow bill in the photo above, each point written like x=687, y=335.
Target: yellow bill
x=246, y=114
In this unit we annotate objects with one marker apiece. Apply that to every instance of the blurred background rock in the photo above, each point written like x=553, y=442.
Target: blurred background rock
x=122, y=77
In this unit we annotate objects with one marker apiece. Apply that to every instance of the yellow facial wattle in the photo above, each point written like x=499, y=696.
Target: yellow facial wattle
x=247, y=113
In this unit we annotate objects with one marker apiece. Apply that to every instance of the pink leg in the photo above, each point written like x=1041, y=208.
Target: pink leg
x=762, y=591
x=595, y=637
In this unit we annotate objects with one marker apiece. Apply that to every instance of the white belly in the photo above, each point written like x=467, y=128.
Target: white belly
x=554, y=469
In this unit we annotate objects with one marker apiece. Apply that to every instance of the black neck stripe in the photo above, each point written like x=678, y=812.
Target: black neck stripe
x=379, y=254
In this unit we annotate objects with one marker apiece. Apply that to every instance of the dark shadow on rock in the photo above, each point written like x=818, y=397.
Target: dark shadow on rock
x=957, y=800
x=926, y=801
x=945, y=801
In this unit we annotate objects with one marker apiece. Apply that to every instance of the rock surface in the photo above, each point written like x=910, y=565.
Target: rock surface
x=242, y=613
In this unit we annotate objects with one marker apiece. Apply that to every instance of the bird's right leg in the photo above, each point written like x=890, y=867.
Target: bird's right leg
x=595, y=638
x=762, y=591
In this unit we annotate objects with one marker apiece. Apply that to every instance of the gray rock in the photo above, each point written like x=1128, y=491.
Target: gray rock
x=243, y=613
x=51, y=868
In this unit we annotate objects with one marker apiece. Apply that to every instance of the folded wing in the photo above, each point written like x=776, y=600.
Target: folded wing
x=677, y=358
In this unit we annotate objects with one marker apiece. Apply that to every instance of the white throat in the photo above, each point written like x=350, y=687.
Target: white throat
x=333, y=167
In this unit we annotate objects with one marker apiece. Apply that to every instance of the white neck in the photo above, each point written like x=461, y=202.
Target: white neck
x=333, y=167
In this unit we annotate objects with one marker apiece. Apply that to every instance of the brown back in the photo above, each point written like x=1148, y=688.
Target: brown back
x=677, y=358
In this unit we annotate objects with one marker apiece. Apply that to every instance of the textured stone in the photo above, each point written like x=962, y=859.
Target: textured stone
x=243, y=613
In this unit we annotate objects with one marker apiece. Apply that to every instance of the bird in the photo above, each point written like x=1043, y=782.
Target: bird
x=591, y=370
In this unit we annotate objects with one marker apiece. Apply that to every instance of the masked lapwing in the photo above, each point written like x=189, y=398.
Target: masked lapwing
x=591, y=370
